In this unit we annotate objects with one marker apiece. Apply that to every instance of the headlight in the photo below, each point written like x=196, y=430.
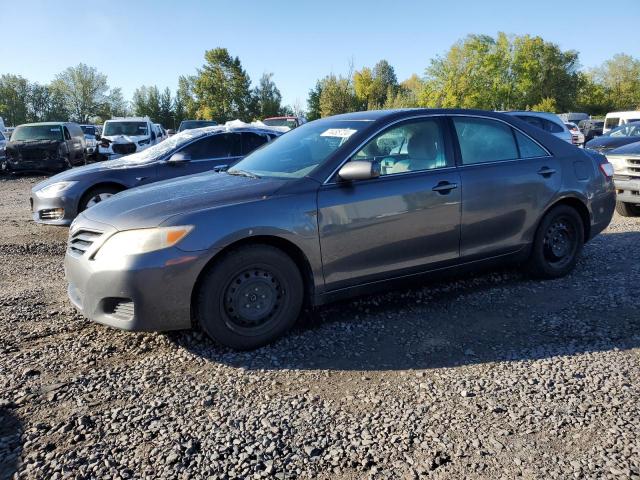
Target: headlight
x=617, y=162
x=134, y=242
x=54, y=189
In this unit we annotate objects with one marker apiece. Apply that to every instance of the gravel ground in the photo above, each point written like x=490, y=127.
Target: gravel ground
x=488, y=376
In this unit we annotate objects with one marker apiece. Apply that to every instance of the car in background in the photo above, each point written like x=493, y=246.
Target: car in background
x=548, y=122
x=127, y=135
x=189, y=124
x=619, y=136
x=3, y=145
x=160, y=132
x=170, y=132
x=615, y=119
x=626, y=176
x=327, y=211
x=577, y=137
x=45, y=147
x=591, y=128
x=573, y=117
x=288, y=121
x=91, y=139
x=60, y=198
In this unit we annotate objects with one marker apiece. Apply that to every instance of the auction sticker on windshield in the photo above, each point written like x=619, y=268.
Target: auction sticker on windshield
x=338, y=132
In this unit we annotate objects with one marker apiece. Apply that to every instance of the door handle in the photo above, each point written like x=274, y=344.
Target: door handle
x=444, y=187
x=546, y=172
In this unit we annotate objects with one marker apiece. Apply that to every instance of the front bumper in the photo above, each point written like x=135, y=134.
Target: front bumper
x=148, y=292
x=53, y=163
x=47, y=210
x=628, y=190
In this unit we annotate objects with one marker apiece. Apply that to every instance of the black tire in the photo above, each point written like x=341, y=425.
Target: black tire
x=264, y=277
x=557, y=244
x=628, y=209
x=95, y=193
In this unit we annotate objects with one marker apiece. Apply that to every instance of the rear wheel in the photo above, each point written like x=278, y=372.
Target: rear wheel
x=250, y=297
x=628, y=209
x=557, y=244
x=97, y=195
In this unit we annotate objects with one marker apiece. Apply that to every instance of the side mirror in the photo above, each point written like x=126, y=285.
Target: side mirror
x=179, y=157
x=358, y=170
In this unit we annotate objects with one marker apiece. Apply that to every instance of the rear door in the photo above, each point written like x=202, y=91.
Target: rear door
x=508, y=180
x=403, y=222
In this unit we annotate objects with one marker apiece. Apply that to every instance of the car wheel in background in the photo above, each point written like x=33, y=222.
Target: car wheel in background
x=628, y=209
x=250, y=297
x=96, y=195
x=557, y=244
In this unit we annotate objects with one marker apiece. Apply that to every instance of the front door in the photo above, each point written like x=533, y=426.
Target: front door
x=405, y=221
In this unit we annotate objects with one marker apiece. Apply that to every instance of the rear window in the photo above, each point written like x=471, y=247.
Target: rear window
x=611, y=122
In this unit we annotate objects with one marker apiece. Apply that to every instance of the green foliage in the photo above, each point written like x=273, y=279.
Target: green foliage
x=375, y=88
x=266, y=98
x=620, y=79
x=546, y=105
x=313, y=102
x=337, y=96
x=221, y=87
x=14, y=98
x=84, y=91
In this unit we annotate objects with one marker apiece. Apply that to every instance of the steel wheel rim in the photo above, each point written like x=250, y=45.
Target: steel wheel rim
x=96, y=199
x=252, y=300
x=560, y=242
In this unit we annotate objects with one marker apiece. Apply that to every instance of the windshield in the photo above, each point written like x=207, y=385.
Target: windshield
x=629, y=130
x=189, y=124
x=163, y=148
x=297, y=153
x=125, y=128
x=37, y=132
x=281, y=122
x=88, y=129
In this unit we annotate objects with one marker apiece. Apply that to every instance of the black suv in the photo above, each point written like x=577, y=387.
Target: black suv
x=591, y=128
x=50, y=146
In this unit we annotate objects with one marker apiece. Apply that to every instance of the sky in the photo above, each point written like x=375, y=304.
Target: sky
x=153, y=42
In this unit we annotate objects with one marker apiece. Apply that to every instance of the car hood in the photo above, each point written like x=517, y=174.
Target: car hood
x=125, y=138
x=79, y=173
x=151, y=205
x=628, y=149
x=49, y=145
x=610, y=142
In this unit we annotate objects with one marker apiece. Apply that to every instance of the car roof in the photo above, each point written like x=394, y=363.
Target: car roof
x=44, y=123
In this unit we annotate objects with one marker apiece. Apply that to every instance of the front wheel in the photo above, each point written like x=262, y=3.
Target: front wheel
x=250, y=297
x=628, y=209
x=95, y=196
x=557, y=244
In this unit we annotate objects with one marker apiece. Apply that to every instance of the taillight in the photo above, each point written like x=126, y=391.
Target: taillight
x=606, y=169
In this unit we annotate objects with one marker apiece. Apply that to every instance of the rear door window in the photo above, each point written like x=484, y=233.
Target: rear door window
x=484, y=140
x=529, y=148
x=251, y=141
x=214, y=146
x=611, y=122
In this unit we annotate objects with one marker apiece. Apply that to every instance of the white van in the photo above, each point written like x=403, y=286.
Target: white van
x=126, y=135
x=615, y=119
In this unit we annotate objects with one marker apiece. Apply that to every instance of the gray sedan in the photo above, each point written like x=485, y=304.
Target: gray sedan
x=60, y=198
x=336, y=207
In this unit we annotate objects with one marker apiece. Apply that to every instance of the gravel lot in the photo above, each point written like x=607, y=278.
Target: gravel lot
x=491, y=376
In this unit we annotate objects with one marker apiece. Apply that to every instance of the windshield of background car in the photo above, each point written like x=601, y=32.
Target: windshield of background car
x=125, y=128
x=189, y=124
x=37, y=132
x=163, y=148
x=629, y=130
x=280, y=122
x=299, y=151
x=88, y=130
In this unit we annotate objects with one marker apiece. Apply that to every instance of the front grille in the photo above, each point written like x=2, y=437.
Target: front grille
x=32, y=155
x=124, y=148
x=81, y=241
x=120, y=308
x=51, y=214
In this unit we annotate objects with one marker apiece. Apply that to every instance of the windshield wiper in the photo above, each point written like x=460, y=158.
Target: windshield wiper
x=242, y=173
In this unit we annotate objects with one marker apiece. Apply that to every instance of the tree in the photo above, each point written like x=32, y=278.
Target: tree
x=313, y=102
x=166, y=109
x=222, y=87
x=384, y=84
x=14, y=99
x=185, y=104
x=266, y=98
x=620, y=79
x=337, y=96
x=502, y=73
x=117, y=105
x=84, y=91
x=146, y=102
